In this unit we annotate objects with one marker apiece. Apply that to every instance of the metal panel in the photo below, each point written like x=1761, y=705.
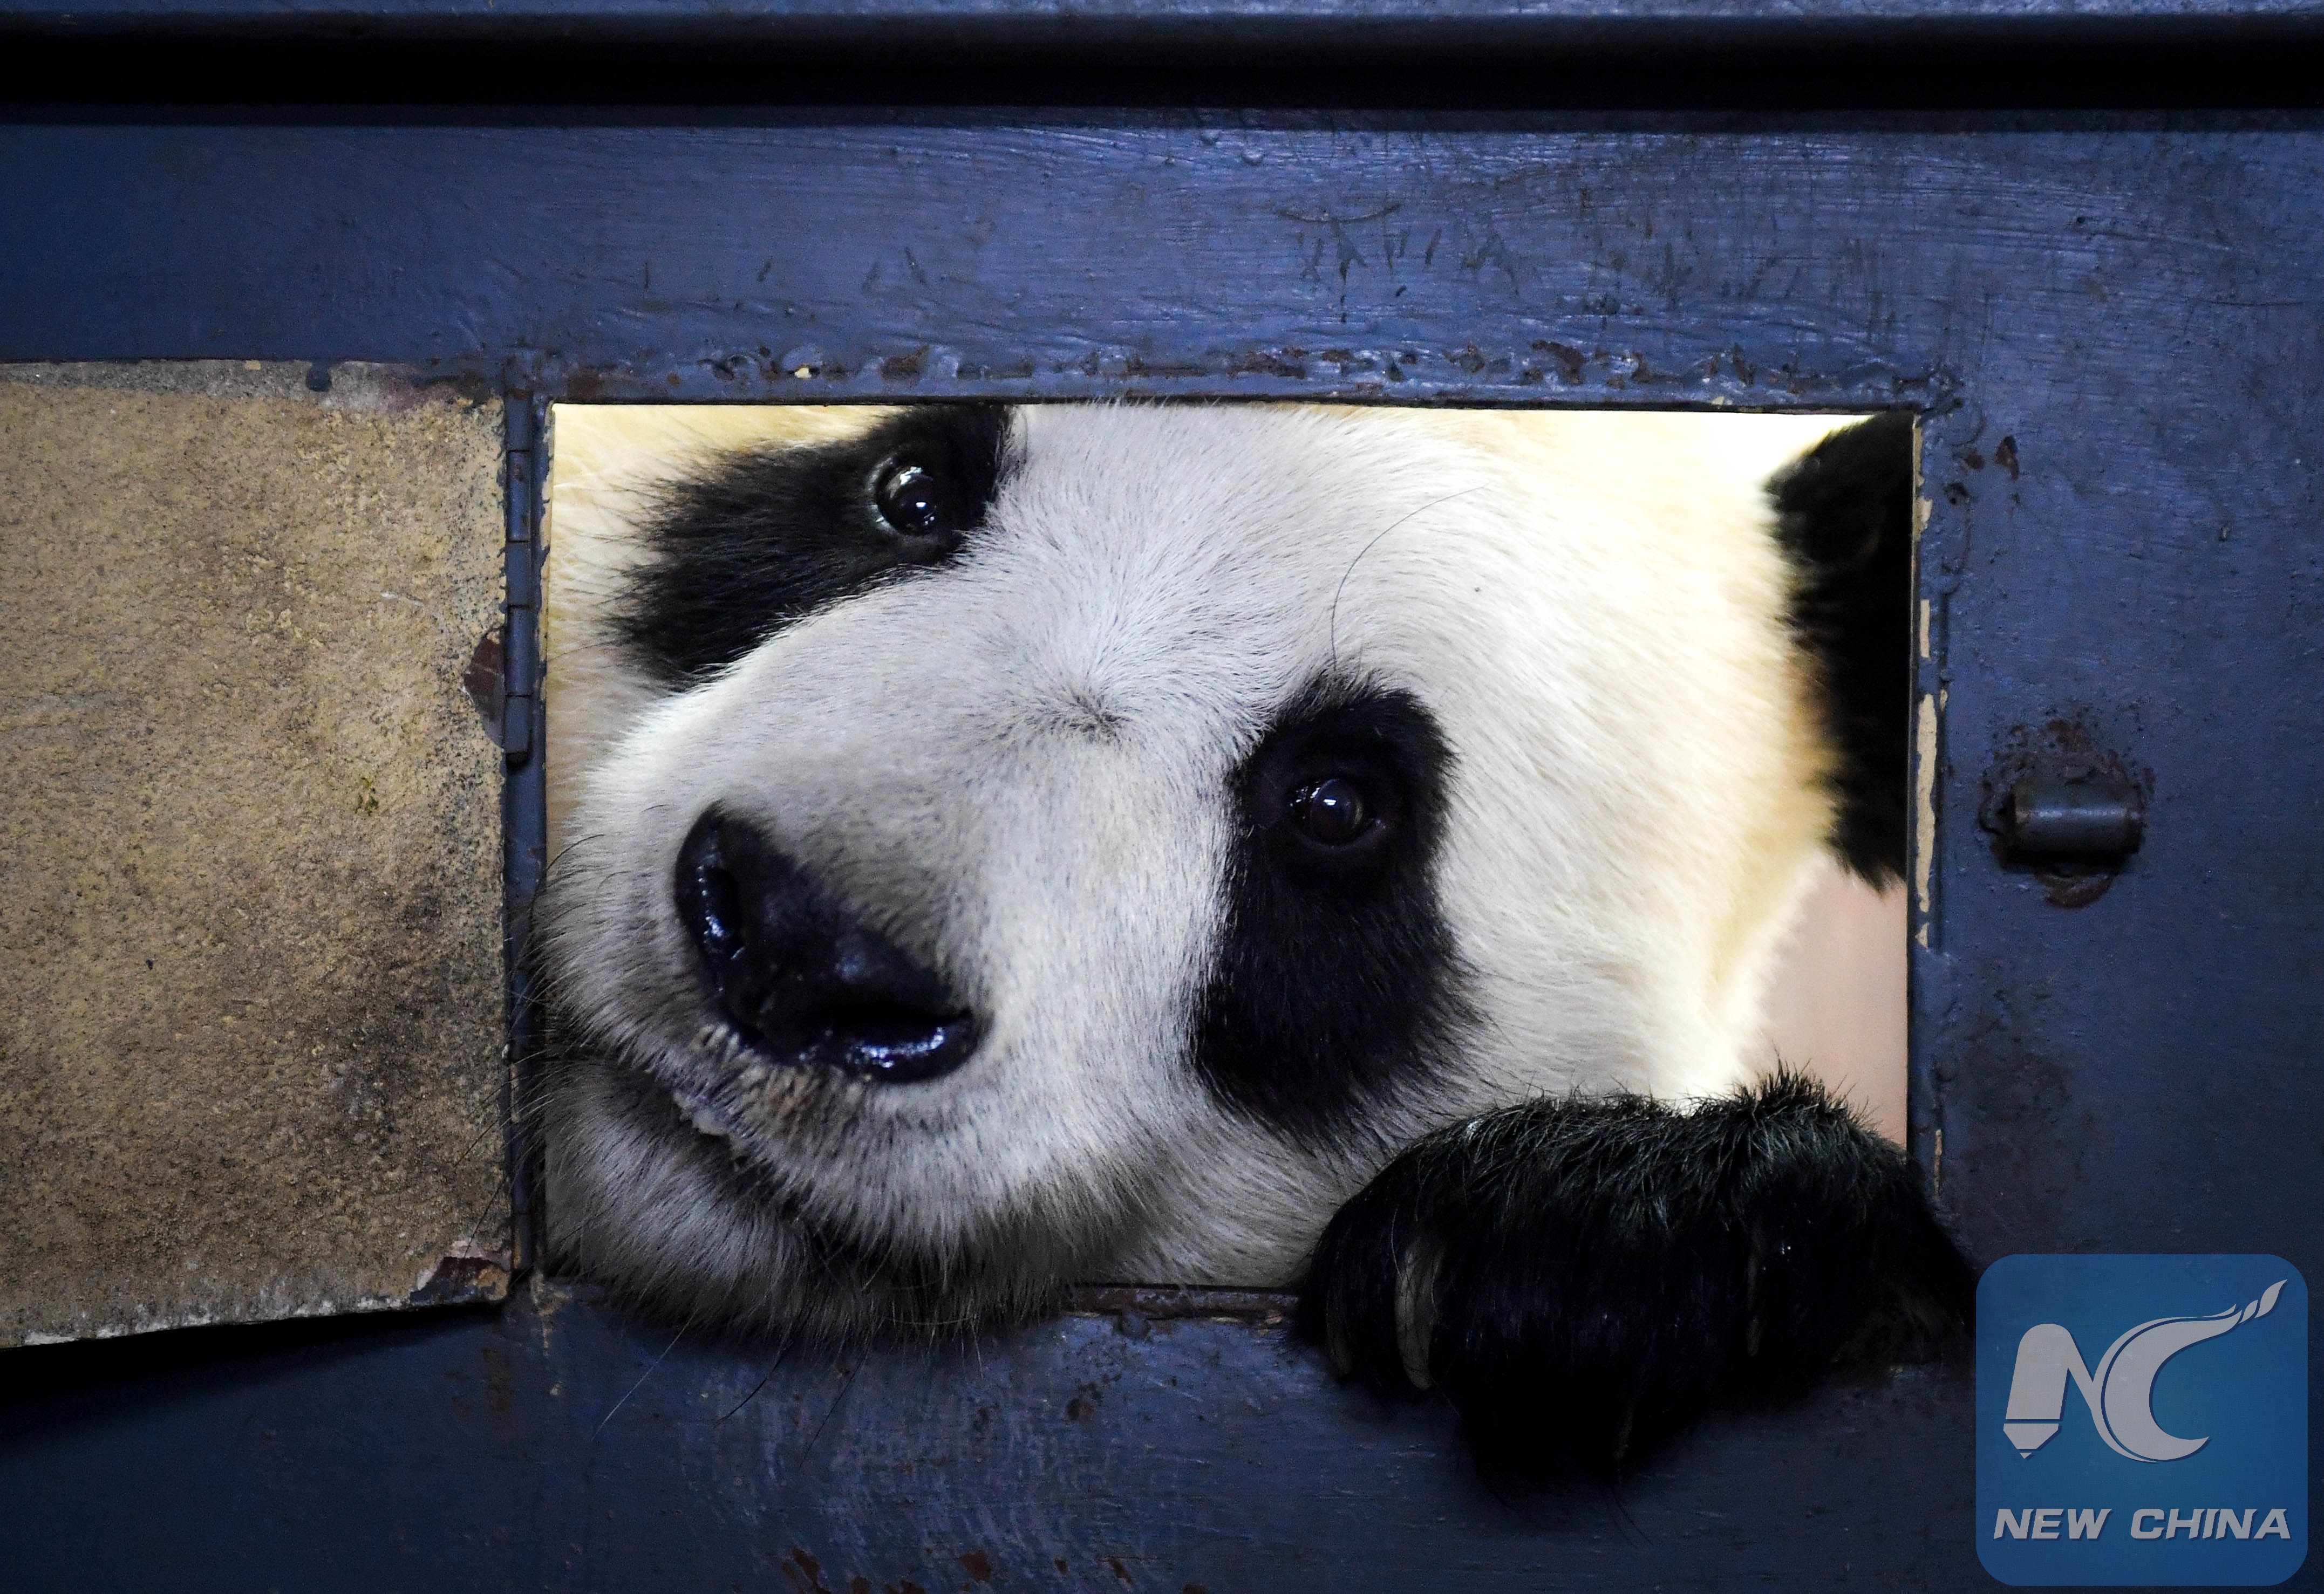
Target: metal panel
x=2112, y=329
x=558, y=1447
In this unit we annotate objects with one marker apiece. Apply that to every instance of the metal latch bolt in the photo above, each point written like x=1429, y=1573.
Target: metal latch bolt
x=2046, y=818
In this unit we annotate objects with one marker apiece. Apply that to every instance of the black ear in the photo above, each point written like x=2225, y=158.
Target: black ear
x=1844, y=512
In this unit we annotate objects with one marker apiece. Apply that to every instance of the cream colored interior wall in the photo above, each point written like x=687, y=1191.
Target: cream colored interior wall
x=1837, y=1006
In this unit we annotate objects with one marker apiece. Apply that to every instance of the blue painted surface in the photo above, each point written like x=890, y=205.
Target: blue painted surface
x=2132, y=310
x=557, y=1447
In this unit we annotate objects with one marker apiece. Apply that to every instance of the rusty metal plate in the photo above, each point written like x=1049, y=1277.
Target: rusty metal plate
x=250, y=956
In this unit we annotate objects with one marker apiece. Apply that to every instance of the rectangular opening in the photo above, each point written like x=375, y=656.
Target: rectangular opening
x=893, y=657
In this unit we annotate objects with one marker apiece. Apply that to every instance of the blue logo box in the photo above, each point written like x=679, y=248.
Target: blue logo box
x=2142, y=1421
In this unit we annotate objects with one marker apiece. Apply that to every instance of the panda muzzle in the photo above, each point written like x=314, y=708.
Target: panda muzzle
x=801, y=979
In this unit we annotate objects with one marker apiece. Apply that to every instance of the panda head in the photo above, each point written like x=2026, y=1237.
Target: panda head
x=1002, y=847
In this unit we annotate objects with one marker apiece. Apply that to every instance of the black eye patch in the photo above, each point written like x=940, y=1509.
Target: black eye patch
x=763, y=539
x=1336, y=978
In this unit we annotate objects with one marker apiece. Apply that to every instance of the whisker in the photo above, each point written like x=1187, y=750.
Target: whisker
x=1338, y=591
x=640, y=1383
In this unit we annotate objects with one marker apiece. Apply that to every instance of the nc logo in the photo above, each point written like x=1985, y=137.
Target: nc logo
x=2119, y=1392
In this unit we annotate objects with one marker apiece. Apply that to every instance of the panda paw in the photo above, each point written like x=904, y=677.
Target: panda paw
x=1582, y=1278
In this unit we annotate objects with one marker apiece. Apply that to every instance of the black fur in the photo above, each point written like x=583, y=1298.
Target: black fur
x=1335, y=975
x=1844, y=513
x=768, y=538
x=1584, y=1277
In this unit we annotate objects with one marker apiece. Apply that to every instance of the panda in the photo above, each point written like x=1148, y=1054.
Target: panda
x=1342, y=849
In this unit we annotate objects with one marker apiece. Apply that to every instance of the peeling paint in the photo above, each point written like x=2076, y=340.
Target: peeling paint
x=1924, y=810
x=1165, y=1302
x=1476, y=372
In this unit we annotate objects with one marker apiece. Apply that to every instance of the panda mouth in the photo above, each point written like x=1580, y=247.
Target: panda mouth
x=872, y=1039
x=804, y=982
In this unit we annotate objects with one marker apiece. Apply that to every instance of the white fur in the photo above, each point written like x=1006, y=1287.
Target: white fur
x=1017, y=767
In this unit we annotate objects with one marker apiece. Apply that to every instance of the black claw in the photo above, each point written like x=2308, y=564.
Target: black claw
x=1599, y=1273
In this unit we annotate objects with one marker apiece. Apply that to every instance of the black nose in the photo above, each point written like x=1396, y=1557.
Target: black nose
x=799, y=977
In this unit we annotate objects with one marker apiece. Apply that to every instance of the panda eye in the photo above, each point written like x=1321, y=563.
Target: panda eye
x=1332, y=812
x=915, y=500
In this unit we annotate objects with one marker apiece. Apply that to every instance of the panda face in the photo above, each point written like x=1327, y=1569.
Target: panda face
x=1003, y=848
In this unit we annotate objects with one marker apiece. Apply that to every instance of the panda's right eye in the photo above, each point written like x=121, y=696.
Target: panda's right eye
x=1332, y=812
x=1334, y=972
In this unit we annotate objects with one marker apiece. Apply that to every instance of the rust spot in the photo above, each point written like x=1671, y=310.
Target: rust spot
x=804, y=1572
x=859, y=1585
x=1082, y=1405
x=908, y=1587
x=977, y=1566
x=2004, y=455
x=1120, y=1571
x=1284, y=363
x=486, y=680
x=1972, y=458
x=1135, y=368
x=457, y=1281
x=2078, y=890
x=1570, y=360
x=904, y=367
x=1061, y=1563
x=1957, y=492
x=470, y=387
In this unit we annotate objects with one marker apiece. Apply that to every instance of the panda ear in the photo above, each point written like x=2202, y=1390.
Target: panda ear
x=1844, y=515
